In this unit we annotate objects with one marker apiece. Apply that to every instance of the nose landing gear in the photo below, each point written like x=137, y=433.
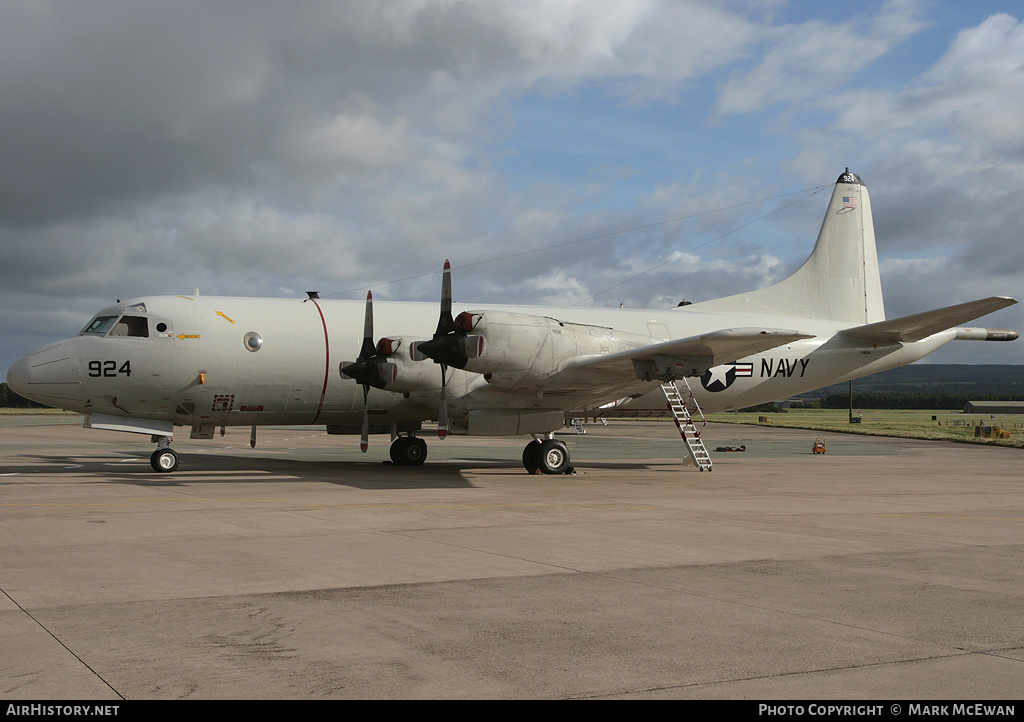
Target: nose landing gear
x=164, y=459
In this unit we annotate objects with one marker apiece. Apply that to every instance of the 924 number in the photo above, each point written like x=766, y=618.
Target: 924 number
x=109, y=369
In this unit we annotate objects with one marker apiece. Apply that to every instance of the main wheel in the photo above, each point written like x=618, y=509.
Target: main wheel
x=408, y=451
x=531, y=457
x=554, y=457
x=164, y=460
x=549, y=456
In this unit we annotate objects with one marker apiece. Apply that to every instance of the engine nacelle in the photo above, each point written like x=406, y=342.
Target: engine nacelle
x=518, y=348
x=399, y=372
x=405, y=374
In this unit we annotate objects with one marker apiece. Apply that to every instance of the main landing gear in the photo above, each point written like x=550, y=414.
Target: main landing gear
x=408, y=451
x=546, y=456
x=541, y=456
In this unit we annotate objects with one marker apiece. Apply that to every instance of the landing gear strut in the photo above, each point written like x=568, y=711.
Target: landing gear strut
x=164, y=459
x=546, y=456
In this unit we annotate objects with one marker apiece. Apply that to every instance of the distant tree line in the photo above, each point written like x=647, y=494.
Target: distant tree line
x=907, y=400
x=11, y=400
x=972, y=380
x=772, y=407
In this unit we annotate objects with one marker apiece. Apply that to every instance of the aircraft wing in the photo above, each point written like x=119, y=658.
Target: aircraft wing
x=923, y=325
x=694, y=353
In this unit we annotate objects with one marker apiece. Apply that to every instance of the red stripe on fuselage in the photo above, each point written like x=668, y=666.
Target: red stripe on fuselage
x=327, y=361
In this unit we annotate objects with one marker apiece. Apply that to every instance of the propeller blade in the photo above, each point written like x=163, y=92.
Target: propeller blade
x=367, y=351
x=451, y=345
x=446, y=300
x=369, y=348
x=366, y=369
x=364, y=439
x=442, y=416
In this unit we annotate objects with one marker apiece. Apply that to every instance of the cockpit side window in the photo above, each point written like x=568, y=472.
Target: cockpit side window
x=136, y=326
x=99, y=325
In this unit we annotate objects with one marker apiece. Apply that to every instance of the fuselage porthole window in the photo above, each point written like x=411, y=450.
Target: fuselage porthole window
x=253, y=341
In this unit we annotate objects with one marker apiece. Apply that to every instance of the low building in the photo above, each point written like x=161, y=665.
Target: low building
x=994, y=407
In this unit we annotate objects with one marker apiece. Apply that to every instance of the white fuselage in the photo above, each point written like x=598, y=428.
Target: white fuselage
x=194, y=368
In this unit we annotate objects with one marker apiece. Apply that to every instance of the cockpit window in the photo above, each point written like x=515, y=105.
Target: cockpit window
x=137, y=326
x=99, y=325
x=131, y=326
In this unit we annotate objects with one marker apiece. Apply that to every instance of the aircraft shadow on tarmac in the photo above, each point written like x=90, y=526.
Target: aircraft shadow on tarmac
x=210, y=468
x=227, y=469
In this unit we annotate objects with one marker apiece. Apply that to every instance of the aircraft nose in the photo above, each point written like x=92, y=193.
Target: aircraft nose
x=48, y=375
x=17, y=375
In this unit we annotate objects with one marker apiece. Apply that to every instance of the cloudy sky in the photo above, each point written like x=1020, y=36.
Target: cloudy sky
x=563, y=152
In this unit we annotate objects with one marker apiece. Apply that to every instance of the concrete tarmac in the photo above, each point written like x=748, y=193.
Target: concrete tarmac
x=883, y=569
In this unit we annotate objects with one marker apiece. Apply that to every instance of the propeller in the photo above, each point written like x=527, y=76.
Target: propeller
x=371, y=368
x=451, y=345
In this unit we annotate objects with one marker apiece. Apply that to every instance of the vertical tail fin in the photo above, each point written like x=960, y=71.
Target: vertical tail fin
x=840, y=279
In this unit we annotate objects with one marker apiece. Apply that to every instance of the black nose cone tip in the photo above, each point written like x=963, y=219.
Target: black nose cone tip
x=848, y=177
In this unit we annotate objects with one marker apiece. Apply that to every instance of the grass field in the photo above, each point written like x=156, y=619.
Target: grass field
x=914, y=424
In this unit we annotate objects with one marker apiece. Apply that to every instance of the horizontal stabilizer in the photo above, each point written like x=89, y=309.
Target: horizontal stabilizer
x=923, y=325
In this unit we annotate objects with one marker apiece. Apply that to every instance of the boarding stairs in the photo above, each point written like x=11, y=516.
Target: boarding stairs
x=683, y=410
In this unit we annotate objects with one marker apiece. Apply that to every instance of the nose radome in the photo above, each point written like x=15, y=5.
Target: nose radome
x=48, y=376
x=17, y=376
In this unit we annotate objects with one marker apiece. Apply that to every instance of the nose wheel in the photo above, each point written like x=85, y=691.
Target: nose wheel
x=164, y=460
